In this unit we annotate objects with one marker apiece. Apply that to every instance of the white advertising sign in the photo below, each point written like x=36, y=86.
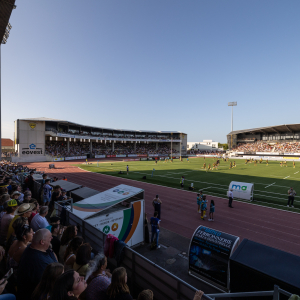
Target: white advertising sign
x=99, y=156
x=242, y=190
x=92, y=205
x=75, y=157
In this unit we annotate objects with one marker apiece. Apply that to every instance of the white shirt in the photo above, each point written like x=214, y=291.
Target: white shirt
x=38, y=222
x=230, y=194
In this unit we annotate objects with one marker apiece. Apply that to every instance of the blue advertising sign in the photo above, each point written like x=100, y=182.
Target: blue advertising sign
x=209, y=255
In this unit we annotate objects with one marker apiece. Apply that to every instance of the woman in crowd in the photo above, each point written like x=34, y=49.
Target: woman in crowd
x=51, y=273
x=99, y=280
x=68, y=286
x=24, y=235
x=18, y=223
x=12, y=205
x=56, y=231
x=68, y=235
x=83, y=258
x=118, y=289
x=71, y=251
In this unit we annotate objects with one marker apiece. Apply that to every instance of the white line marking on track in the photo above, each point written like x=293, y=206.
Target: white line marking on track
x=286, y=177
x=296, y=172
x=270, y=185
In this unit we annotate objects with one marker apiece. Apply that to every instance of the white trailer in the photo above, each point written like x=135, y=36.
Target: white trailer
x=119, y=211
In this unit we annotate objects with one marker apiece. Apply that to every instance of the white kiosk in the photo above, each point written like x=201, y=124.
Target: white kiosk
x=242, y=190
x=119, y=211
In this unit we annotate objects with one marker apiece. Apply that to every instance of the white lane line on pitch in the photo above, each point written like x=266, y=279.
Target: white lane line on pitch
x=296, y=172
x=286, y=177
x=270, y=184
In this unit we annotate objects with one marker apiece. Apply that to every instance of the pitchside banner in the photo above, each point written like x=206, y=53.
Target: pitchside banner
x=209, y=255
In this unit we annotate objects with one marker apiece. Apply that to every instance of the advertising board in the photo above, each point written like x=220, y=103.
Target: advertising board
x=242, y=190
x=100, y=156
x=58, y=158
x=209, y=255
x=75, y=157
x=111, y=156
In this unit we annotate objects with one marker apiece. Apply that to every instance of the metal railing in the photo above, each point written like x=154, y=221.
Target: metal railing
x=275, y=294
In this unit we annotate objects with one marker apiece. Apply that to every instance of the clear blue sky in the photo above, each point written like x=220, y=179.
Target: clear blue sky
x=154, y=64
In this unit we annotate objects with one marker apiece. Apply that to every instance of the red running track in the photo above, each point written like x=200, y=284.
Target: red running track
x=271, y=227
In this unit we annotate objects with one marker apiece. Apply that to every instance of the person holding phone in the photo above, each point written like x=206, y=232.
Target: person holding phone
x=3, y=283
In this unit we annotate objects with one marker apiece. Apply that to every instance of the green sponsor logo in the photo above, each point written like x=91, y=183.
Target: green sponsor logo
x=106, y=229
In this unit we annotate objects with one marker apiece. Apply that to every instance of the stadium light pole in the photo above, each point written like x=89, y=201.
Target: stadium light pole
x=232, y=104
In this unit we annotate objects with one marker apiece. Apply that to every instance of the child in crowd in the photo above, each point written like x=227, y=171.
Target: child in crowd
x=211, y=210
x=203, y=207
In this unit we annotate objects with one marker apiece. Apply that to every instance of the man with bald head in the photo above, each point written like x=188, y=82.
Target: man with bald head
x=36, y=257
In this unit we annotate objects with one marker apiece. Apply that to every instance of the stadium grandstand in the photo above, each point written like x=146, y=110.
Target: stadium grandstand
x=271, y=141
x=44, y=139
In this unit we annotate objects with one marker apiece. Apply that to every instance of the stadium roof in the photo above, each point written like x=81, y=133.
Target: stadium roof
x=43, y=119
x=271, y=129
x=6, y=7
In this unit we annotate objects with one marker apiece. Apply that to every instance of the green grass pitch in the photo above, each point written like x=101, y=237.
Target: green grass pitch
x=271, y=182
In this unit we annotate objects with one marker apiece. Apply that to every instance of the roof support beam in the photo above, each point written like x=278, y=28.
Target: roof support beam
x=275, y=130
x=287, y=128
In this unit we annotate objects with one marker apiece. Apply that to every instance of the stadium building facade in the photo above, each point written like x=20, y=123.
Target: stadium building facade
x=45, y=139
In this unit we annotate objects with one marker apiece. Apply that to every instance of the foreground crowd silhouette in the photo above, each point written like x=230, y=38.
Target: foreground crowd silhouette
x=49, y=260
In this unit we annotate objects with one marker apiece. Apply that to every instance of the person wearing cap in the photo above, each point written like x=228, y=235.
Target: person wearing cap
x=230, y=198
x=15, y=195
x=39, y=220
x=12, y=206
x=24, y=210
x=157, y=205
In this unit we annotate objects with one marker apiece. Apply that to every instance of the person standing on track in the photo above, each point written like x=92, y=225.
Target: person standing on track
x=127, y=169
x=157, y=205
x=182, y=182
x=211, y=210
x=230, y=196
x=291, y=197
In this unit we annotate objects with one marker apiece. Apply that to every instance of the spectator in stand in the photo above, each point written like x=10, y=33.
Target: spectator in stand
x=17, y=224
x=4, y=198
x=71, y=252
x=56, y=231
x=145, y=295
x=69, y=286
x=34, y=261
x=83, y=257
x=46, y=285
x=99, y=281
x=47, y=192
x=30, y=181
x=12, y=205
x=24, y=235
x=55, y=197
x=24, y=210
x=17, y=188
x=35, y=209
x=118, y=289
x=68, y=235
x=27, y=196
x=39, y=221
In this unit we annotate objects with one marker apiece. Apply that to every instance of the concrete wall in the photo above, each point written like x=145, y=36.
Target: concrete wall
x=30, y=141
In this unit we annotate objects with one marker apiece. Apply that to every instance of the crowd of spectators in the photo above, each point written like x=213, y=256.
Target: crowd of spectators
x=206, y=152
x=112, y=135
x=59, y=149
x=287, y=147
x=49, y=260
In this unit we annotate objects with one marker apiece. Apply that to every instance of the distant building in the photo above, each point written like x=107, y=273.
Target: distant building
x=7, y=145
x=206, y=145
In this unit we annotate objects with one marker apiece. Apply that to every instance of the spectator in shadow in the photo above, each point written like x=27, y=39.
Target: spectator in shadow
x=51, y=273
x=34, y=261
x=69, y=286
x=118, y=289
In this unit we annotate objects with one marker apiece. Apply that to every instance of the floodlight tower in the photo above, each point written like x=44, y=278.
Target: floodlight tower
x=232, y=104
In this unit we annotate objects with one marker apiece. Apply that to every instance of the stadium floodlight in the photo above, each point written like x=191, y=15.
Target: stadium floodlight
x=232, y=104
